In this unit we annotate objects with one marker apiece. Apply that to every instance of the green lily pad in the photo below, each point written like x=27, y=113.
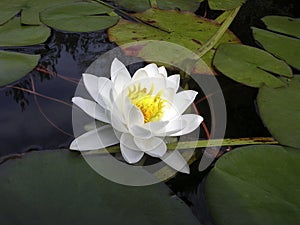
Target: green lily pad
x=15, y=65
x=188, y=30
x=280, y=111
x=255, y=185
x=13, y=33
x=142, y=5
x=58, y=187
x=224, y=5
x=79, y=17
x=283, y=24
x=29, y=9
x=250, y=66
x=283, y=47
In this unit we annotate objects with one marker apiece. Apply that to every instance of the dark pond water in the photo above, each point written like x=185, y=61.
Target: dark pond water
x=30, y=123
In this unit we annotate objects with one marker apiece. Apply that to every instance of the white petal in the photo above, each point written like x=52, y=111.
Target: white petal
x=130, y=155
x=140, y=132
x=136, y=117
x=117, y=123
x=105, y=92
x=172, y=127
x=159, y=151
x=175, y=160
x=191, y=121
x=159, y=84
x=152, y=70
x=91, y=108
x=96, y=86
x=173, y=82
x=128, y=141
x=139, y=74
x=133, y=115
x=119, y=73
x=91, y=84
x=182, y=101
x=162, y=70
x=146, y=145
x=155, y=126
x=168, y=95
x=95, y=139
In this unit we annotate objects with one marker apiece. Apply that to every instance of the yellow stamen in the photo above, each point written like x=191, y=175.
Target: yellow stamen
x=150, y=105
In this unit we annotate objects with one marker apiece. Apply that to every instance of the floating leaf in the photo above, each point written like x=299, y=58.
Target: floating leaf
x=255, y=185
x=283, y=24
x=15, y=65
x=142, y=5
x=29, y=9
x=79, y=17
x=283, y=47
x=185, y=29
x=61, y=183
x=224, y=5
x=13, y=33
x=280, y=111
x=250, y=66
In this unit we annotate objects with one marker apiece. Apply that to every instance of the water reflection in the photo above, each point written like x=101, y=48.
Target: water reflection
x=36, y=123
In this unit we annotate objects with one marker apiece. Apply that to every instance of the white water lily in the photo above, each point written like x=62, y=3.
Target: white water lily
x=140, y=111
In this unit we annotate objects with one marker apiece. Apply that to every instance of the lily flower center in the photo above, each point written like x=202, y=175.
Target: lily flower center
x=152, y=106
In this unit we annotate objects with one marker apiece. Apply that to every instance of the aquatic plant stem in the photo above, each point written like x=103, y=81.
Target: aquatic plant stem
x=132, y=17
x=46, y=71
x=200, y=144
x=153, y=3
x=203, y=123
x=220, y=32
x=118, y=10
x=225, y=142
x=220, y=19
x=43, y=113
x=40, y=95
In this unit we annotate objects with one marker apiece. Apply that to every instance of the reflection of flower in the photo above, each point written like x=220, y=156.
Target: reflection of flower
x=140, y=112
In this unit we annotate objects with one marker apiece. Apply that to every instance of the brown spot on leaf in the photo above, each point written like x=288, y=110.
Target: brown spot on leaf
x=133, y=50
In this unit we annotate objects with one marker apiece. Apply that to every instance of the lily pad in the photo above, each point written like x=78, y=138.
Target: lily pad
x=13, y=33
x=188, y=30
x=283, y=47
x=58, y=187
x=79, y=17
x=224, y=5
x=29, y=9
x=142, y=5
x=283, y=24
x=250, y=66
x=15, y=65
x=280, y=111
x=255, y=185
